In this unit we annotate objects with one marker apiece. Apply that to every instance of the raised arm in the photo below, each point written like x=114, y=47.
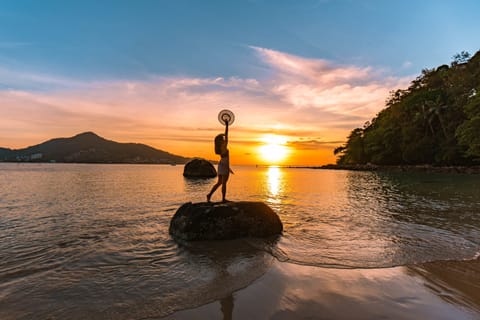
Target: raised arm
x=226, y=132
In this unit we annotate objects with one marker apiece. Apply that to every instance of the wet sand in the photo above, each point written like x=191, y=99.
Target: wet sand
x=440, y=290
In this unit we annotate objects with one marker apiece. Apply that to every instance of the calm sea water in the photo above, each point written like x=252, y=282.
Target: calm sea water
x=91, y=241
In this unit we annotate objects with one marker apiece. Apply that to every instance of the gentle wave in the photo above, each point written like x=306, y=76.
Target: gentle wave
x=462, y=250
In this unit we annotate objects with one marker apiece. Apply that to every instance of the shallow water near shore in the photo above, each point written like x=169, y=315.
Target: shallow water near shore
x=291, y=291
x=91, y=241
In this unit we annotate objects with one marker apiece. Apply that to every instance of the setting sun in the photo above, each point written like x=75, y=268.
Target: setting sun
x=274, y=149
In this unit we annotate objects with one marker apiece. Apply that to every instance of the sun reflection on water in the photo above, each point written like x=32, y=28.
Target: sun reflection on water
x=274, y=175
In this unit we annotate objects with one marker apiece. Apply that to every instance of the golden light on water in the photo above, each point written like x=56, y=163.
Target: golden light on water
x=275, y=185
x=274, y=174
x=274, y=149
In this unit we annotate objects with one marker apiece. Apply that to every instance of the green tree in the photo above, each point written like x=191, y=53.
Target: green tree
x=436, y=120
x=468, y=133
x=353, y=152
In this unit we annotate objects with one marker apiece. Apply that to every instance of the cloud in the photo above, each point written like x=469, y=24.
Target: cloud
x=313, y=144
x=407, y=64
x=13, y=79
x=327, y=87
x=14, y=45
x=319, y=71
x=313, y=102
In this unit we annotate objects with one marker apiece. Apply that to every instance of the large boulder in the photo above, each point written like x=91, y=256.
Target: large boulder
x=220, y=221
x=199, y=168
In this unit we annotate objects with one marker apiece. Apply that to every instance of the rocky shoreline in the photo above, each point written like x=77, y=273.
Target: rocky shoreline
x=403, y=168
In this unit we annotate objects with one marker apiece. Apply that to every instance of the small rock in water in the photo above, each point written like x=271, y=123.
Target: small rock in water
x=221, y=221
x=199, y=168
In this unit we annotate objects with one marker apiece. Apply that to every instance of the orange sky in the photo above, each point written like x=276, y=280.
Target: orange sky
x=311, y=104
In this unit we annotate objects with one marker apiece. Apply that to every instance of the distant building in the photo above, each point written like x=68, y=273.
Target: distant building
x=22, y=158
x=36, y=156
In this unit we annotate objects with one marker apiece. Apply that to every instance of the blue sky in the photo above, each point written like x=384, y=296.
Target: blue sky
x=137, y=39
x=157, y=72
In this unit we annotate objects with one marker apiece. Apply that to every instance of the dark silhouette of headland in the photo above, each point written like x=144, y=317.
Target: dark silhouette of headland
x=88, y=147
x=434, y=122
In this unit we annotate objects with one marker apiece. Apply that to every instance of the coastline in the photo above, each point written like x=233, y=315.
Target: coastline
x=437, y=290
x=397, y=168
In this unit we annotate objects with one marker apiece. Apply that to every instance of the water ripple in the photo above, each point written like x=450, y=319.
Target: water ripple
x=91, y=241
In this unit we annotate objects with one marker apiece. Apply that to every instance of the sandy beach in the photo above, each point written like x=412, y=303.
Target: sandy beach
x=440, y=290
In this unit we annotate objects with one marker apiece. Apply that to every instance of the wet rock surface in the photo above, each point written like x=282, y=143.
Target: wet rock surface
x=221, y=221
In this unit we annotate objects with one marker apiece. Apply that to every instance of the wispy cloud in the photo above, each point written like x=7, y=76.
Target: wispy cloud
x=325, y=87
x=312, y=102
x=313, y=144
x=407, y=64
x=12, y=79
x=14, y=44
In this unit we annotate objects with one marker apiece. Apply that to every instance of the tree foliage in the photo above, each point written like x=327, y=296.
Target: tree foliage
x=436, y=120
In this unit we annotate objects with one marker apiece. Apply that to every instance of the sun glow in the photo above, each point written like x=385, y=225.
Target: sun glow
x=274, y=149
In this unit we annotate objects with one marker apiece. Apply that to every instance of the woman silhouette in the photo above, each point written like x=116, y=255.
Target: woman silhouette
x=221, y=143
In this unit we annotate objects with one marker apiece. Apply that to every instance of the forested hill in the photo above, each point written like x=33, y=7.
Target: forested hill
x=435, y=121
x=88, y=147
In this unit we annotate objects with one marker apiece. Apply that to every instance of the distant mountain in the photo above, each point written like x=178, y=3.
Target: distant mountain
x=88, y=147
x=4, y=152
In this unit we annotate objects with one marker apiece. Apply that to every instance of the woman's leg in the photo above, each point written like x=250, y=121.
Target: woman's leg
x=224, y=186
x=215, y=187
